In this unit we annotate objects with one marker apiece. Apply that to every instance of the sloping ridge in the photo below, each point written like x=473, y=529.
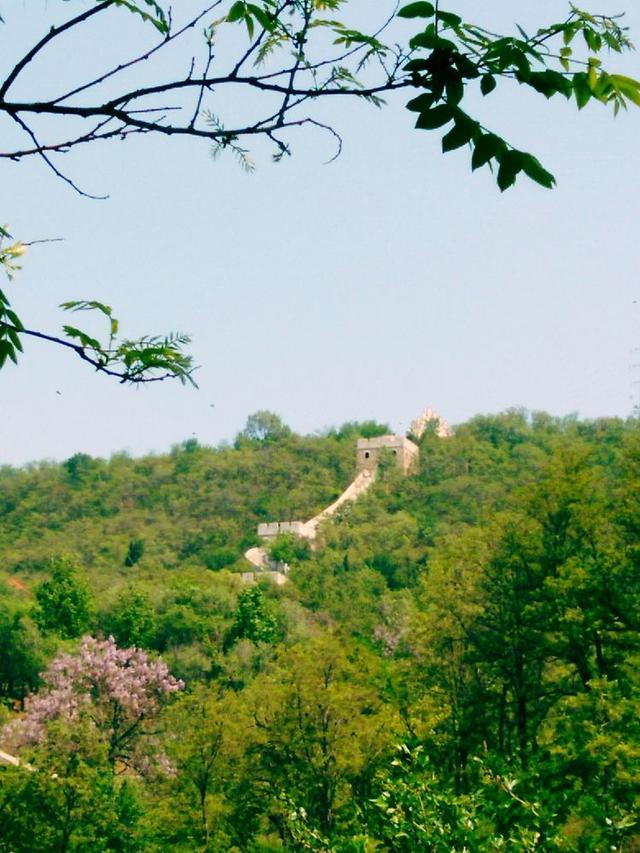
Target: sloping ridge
x=258, y=556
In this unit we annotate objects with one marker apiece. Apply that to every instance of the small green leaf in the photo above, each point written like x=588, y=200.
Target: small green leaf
x=426, y=39
x=159, y=21
x=458, y=136
x=87, y=305
x=487, y=84
x=486, y=147
x=13, y=318
x=85, y=340
x=13, y=335
x=534, y=169
x=417, y=65
x=417, y=10
x=262, y=18
x=237, y=12
x=581, y=89
x=449, y=19
x=455, y=90
x=510, y=167
x=422, y=102
x=436, y=117
x=629, y=87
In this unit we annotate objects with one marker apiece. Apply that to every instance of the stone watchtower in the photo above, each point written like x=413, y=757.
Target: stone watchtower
x=369, y=450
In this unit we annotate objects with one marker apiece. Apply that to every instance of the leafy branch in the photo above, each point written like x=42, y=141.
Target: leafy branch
x=142, y=360
x=297, y=53
x=449, y=54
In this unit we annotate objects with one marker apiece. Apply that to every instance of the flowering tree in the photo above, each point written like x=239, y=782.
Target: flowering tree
x=117, y=692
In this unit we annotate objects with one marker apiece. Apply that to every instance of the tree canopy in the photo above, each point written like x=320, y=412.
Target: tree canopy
x=453, y=666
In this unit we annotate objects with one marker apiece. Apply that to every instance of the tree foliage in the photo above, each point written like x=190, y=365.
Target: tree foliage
x=452, y=666
x=116, y=692
x=63, y=601
x=294, y=55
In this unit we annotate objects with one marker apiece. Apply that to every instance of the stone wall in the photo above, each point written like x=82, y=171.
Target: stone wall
x=276, y=528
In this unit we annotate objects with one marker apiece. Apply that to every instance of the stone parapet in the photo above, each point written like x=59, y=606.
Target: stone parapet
x=276, y=528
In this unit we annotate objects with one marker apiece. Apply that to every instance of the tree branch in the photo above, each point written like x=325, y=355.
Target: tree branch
x=53, y=33
x=124, y=376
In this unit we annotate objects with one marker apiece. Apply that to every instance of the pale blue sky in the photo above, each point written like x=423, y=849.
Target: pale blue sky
x=387, y=281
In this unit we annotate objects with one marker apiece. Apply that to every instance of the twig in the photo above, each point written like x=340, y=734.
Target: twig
x=54, y=32
x=52, y=165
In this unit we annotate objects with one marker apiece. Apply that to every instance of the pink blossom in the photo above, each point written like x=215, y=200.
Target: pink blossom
x=118, y=690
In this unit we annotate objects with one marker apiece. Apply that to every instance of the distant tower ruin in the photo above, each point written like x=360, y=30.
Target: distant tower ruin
x=418, y=426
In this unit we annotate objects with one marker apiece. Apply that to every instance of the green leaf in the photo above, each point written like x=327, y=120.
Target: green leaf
x=593, y=39
x=629, y=87
x=449, y=19
x=534, y=169
x=159, y=21
x=581, y=89
x=13, y=335
x=422, y=102
x=426, y=39
x=436, y=117
x=510, y=166
x=262, y=18
x=13, y=318
x=87, y=305
x=85, y=340
x=458, y=136
x=7, y=350
x=417, y=65
x=486, y=147
x=487, y=84
x=417, y=10
x=237, y=12
x=455, y=90
x=548, y=83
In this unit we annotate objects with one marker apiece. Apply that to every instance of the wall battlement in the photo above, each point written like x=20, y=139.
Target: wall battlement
x=272, y=529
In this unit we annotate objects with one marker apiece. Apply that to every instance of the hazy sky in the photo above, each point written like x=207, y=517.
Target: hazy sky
x=390, y=280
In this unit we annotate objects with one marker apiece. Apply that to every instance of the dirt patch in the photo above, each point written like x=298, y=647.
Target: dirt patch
x=16, y=583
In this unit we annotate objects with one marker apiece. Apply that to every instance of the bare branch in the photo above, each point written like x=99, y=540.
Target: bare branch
x=142, y=58
x=53, y=33
x=52, y=165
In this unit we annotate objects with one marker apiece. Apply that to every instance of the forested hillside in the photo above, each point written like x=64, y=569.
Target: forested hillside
x=454, y=667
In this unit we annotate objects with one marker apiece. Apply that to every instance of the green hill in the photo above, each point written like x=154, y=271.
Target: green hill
x=453, y=667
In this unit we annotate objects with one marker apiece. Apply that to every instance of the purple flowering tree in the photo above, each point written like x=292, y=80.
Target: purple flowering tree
x=117, y=692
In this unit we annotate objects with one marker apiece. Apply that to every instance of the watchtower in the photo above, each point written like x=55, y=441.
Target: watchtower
x=369, y=451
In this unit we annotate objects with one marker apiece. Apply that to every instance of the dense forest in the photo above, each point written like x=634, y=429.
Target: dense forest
x=454, y=667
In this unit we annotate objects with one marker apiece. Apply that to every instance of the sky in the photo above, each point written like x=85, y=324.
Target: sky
x=387, y=281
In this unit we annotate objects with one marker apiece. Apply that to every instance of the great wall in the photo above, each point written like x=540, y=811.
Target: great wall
x=369, y=453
